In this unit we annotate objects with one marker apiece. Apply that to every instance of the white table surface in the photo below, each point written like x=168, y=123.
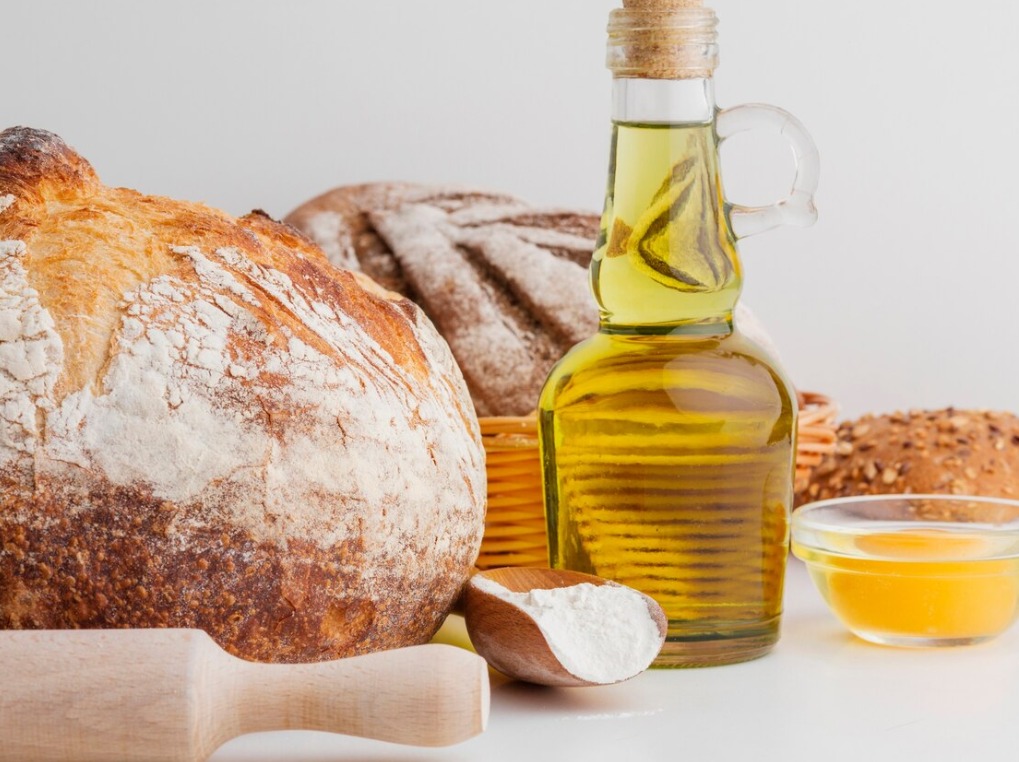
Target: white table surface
x=821, y=695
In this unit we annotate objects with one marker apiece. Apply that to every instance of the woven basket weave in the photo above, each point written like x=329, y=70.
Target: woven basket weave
x=515, y=532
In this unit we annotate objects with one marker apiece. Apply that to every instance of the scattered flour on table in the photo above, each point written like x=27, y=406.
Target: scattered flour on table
x=599, y=633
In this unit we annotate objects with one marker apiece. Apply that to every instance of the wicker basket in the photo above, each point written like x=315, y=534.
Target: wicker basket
x=815, y=435
x=515, y=525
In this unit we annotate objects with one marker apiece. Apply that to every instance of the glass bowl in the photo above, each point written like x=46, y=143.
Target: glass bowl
x=914, y=570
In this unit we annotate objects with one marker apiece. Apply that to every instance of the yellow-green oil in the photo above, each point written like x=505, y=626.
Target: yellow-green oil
x=667, y=438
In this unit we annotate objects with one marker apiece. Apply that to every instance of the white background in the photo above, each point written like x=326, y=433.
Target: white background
x=900, y=297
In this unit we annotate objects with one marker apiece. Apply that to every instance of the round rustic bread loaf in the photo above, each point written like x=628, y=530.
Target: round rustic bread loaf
x=205, y=424
x=505, y=283
x=958, y=452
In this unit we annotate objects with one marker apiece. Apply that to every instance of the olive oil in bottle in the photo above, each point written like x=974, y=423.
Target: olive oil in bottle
x=668, y=437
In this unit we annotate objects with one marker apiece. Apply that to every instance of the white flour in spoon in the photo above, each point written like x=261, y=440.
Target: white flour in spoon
x=599, y=633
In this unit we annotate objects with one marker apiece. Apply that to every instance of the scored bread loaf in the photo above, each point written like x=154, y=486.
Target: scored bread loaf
x=205, y=424
x=506, y=284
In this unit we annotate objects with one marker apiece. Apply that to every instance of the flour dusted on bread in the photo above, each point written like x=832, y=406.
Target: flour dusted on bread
x=505, y=283
x=30, y=356
x=204, y=424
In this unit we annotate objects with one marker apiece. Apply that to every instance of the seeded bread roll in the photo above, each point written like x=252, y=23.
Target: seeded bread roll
x=957, y=452
x=205, y=424
x=506, y=284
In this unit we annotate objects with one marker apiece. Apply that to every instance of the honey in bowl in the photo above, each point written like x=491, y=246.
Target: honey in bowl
x=914, y=570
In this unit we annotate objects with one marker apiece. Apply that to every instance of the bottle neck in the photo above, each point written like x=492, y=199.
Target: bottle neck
x=666, y=260
x=663, y=101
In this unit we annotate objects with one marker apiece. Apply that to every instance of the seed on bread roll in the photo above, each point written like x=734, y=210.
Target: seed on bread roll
x=956, y=452
x=506, y=284
x=205, y=424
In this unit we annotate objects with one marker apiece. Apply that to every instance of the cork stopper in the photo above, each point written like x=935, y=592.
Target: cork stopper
x=663, y=39
x=662, y=5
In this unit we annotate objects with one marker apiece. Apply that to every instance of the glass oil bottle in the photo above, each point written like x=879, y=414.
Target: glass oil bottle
x=668, y=437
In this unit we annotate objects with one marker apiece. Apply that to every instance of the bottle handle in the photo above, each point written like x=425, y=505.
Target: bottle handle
x=798, y=209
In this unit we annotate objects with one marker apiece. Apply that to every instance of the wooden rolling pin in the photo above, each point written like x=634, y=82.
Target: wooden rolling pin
x=161, y=695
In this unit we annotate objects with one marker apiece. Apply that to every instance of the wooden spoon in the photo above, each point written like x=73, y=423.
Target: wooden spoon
x=174, y=695
x=514, y=643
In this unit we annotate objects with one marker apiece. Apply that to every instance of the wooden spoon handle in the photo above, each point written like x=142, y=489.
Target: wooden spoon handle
x=174, y=695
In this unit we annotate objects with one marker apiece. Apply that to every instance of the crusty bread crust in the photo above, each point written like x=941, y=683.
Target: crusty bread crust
x=205, y=424
x=948, y=451
x=505, y=283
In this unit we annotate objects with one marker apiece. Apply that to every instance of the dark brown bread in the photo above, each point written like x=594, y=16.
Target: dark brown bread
x=205, y=424
x=506, y=284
